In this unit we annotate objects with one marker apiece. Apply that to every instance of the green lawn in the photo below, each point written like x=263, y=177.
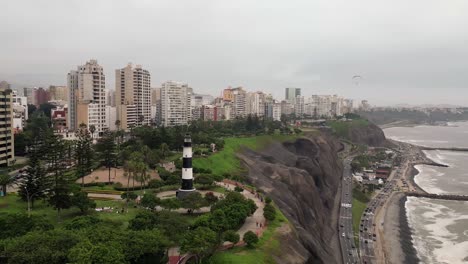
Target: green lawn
x=267, y=247
x=341, y=128
x=225, y=161
x=360, y=201
x=13, y=204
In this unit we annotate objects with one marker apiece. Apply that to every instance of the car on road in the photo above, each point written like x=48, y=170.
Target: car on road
x=343, y=235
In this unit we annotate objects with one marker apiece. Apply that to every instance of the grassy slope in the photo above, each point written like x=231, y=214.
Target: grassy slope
x=267, y=246
x=341, y=128
x=226, y=161
x=360, y=201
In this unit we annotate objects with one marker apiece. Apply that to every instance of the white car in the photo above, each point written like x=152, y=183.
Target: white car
x=343, y=234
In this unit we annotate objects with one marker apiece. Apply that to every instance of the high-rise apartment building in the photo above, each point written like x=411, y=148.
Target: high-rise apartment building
x=20, y=111
x=133, y=96
x=255, y=103
x=58, y=93
x=41, y=96
x=87, y=98
x=7, y=154
x=239, y=97
x=29, y=93
x=175, y=103
x=292, y=94
x=156, y=105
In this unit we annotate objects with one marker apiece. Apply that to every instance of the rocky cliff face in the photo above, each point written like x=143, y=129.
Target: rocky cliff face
x=303, y=178
x=370, y=135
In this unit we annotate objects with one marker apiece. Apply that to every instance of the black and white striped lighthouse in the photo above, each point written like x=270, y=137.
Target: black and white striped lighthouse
x=187, y=172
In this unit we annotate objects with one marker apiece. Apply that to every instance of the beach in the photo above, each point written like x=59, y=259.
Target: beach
x=398, y=242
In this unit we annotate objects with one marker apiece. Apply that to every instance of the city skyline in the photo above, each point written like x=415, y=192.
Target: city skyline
x=401, y=51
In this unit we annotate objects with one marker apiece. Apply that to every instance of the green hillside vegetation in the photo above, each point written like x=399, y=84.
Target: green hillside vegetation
x=267, y=247
x=226, y=162
x=360, y=200
x=342, y=128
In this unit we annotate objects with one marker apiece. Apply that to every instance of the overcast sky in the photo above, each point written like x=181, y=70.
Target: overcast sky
x=407, y=51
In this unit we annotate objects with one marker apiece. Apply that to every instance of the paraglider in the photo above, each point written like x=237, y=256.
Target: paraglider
x=356, y=79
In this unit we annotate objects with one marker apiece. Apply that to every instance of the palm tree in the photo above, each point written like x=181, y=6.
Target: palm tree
x=141, y=118
x=5, y=180
x=127, y=173
x=92, y=129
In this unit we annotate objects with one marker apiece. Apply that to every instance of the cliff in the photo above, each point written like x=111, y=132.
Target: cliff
x=370, y=135
x=303, y=178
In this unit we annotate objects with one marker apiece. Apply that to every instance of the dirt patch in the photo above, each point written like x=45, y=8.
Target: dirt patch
x=117, y=175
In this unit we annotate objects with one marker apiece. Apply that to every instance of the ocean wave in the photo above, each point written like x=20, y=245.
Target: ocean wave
x=429, y=219
x=427, y=178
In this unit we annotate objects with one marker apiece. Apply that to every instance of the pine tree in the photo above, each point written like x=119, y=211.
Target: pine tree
x=83, y=153
x=106, y=149
x=60, y=190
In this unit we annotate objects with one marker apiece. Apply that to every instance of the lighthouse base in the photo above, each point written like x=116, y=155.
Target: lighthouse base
x=183, y=193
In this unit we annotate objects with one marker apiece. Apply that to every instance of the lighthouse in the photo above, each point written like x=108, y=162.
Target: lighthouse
x=187, y=172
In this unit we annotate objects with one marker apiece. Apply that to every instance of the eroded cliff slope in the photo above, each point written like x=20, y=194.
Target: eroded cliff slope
x=303, y=178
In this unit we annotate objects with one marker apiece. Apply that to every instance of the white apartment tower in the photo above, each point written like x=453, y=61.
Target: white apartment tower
x=175, y=103
x=133, y=96
x=86, y=97
x=255, y=103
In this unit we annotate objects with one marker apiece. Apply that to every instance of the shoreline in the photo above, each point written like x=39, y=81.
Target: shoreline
x=406, y=234
x=398, y=246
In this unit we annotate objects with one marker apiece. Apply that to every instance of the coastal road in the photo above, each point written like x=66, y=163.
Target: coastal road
x=345, y=223
x=368, y=226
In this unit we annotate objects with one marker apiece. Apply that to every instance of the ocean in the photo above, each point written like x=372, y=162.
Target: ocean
x=440, y=227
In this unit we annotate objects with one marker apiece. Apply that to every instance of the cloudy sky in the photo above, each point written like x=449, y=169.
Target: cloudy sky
x=406, y=51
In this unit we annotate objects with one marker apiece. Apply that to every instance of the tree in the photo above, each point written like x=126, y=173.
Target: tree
x=49, y=247
x=149, y=200
x=82, y=222
x=231, y=236
x=87, y=252
x=269, y=212
x=82, y=201
x=164, y=150
x=129, y=196
x=33, y=183
x=171, y=204
x=199, y=242
x=205, y=179
x=46, y=109
x=141, y=118
x=61, y=183
x=5, y=180
x=15, y=225
x=83, y=153
x=250, y=238
x=20, y=144
x=117, y=124
x=193, y=201
x=92, y=129
x=210, y=198
x=106, y=148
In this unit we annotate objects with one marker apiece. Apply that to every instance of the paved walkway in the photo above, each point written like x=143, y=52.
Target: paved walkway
x=253, y=222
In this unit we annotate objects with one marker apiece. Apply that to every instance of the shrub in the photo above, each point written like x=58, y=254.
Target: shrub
x=130, y=195
x=211, y=198
x=154, y=183
x=268, y=200
x=238, y=189
x=269, y=212
x=231, y=236
x=250, y=238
